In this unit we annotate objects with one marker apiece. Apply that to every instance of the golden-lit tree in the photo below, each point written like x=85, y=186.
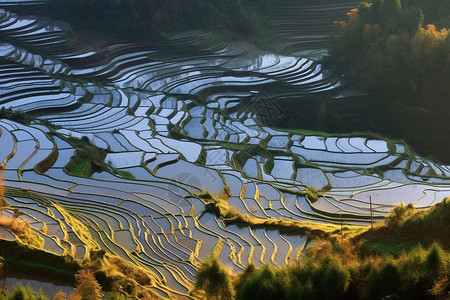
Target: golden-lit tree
x=87, y=286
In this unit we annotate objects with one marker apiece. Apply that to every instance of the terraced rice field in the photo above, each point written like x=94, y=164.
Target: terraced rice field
x=305, y=29
x=176, y=123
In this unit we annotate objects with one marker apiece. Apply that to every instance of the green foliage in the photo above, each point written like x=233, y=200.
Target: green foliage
x=388, y=280
x=435, y=262
x=400, y=214
x=21, y=292
x=19, y=117
x=392, y=54
x=335, y=280
x=325, y=278
x=328, y=272
x=438, y=215
x=265, y=283
x=422, y=226
x=87, y=158
x=124, y=174
x=214, y=280
x=382, y=246
x=130, y=112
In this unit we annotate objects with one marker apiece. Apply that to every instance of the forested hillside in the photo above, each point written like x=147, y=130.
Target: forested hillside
x=399, y=49
x=153, y=18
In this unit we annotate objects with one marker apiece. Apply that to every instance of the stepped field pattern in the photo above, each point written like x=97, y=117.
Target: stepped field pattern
x=179, y=120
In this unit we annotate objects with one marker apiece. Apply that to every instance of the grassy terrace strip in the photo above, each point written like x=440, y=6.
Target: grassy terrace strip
x=161, y=157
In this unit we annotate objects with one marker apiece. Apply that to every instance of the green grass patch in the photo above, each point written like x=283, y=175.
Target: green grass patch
x=87, y=158
x=383, y=246
x=124, y=174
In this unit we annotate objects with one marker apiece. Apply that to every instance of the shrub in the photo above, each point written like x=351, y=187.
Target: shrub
x=434, y=262
x=266, y=283
x=335, y=281
x=439, y=214
x=244, y=276
x=411, y=270
x=399, y=214
x=214, y=280
x=389, y=279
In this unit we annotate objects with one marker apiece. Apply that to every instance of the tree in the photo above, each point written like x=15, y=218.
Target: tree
x=265, y=284
x=214, y=280
x=390, y=10
x=412, y=20
x=87, y=287
x=21, y=292
x=60, y=295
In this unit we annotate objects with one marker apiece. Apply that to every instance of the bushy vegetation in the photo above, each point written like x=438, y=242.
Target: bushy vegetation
x=214, y=280
x=405, y=224
x=116, y=274
x=20, y=117
x=386, y=44
x=87, y=286
x=21, y=292
x=336, y=268
x=87, y=158
x=142, y=19
x=86, y=289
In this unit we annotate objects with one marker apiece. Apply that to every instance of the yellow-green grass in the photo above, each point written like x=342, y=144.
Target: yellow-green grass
x=231, y=215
